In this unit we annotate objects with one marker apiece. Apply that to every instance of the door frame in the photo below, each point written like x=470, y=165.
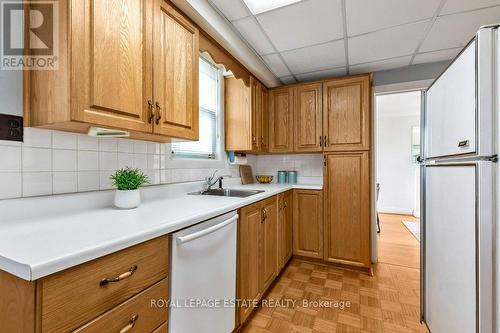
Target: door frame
x=388, y=89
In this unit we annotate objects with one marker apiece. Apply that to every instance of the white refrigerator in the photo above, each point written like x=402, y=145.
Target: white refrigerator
x=458, y=197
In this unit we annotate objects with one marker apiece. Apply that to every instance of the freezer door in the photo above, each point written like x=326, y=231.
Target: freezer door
x=457, y=247
x=450, y=112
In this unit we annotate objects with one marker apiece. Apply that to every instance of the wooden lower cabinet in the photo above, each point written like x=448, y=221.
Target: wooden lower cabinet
x=347, y=209
x=248, y=278
x=79, y=298
x=308, y=223
x=269, y=242
x=285, y=221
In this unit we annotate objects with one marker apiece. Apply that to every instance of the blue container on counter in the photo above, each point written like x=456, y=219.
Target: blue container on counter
x=282, y=177
x=292, y=177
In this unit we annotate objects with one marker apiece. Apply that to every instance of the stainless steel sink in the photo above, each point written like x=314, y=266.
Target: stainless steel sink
x=228, y=193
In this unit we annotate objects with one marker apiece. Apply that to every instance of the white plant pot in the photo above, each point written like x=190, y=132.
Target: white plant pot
x=127, y=199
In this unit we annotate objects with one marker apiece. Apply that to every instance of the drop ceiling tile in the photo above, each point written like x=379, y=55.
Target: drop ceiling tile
x=380, y=65
x=365, y=16
x=319, y=75
x=458, y=29
x=316, y=58
x=288, y=80
x=456, y=6
x=253, y=35
x=435, y=56
x=232, y=9
x=304, y=23
x=384, y=44
x=276, y=65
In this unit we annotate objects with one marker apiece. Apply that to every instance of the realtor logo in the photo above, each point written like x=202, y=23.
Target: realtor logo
x=38, y=48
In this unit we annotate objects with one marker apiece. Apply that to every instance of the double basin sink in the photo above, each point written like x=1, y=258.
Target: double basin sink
x=222, y=192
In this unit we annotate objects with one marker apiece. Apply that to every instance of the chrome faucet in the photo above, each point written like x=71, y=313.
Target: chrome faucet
x=211, y=180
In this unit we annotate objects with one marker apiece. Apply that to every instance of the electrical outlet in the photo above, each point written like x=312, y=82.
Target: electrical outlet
x=11, y=127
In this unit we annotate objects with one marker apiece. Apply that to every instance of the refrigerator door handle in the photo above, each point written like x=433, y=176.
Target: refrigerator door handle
x=463, y=143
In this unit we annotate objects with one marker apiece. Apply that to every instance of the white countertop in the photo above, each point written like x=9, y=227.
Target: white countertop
x=38, y=245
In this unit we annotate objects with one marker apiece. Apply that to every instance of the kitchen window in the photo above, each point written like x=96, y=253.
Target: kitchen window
x=209, y=92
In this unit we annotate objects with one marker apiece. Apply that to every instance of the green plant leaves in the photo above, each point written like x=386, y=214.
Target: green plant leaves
x=129, y=179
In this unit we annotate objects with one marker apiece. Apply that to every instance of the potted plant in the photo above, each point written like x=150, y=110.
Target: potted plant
x=127, y=182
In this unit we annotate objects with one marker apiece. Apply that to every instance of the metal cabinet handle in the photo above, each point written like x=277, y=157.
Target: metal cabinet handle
x=254, y=139
x=158, y=113
x=130, y=324
x=320, y=141
x=264, y=215
x=286, y=204
x=120, y=277
x=463, y=144
x=151, y=114
x=325, y=141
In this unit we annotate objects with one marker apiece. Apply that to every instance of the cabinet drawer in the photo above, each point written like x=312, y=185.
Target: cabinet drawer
x=135, y=315
x=162, y=329
x=75, y=296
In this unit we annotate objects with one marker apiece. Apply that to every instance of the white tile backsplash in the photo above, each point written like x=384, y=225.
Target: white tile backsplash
x=64, y=182
x=37, y=183
x=63, y=140
x=88, y=181
x=64, y=160
x=36, y=137
x=108, y=144
x=37, y=159
x=108, y=161
x=10, y=159
x=86, y=142
x=88, y=160
x=306, y=165
x=11, y=185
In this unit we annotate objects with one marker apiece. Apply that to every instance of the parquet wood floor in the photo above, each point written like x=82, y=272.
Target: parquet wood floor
x=386, y=302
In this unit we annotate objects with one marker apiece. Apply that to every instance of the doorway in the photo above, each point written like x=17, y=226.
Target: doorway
x=397, y=122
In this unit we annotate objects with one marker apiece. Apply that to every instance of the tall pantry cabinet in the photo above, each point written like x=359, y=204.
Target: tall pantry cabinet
x=347, y=150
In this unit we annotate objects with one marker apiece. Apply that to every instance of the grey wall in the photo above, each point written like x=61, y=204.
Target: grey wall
x=11, y=92
x=410, y=73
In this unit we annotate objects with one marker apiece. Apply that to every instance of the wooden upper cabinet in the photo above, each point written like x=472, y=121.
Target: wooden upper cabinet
x=281, y=120
x=175, y=68
x=124, y=64
x=256, y=111
x=347, y=209
x=238, y=115
x=269, y=245
x=346, y=113
x=264, y=121
x=246, y=116
x=308, y=110
x=111, y=62
x=308, y=223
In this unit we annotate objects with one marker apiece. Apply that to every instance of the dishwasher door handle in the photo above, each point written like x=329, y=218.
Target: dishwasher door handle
x=204, y=232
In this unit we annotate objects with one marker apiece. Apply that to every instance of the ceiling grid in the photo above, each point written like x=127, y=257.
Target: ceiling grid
x=313, y=39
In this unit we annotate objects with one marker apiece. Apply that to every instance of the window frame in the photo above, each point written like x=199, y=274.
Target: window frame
x=220, y=160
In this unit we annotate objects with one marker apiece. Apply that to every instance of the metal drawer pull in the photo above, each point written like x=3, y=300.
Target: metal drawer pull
x=151, y=113
x=130, y=324
x=120, y=277
x=464, y=143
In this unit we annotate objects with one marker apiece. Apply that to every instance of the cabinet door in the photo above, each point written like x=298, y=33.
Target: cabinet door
x=175, y=69
x=264, y=121
x=237, y=112
x=269, y=246
x=346, y=114
x=347, y=209
x=308, y=223
x=285, y=201
x=308, y=100
x=256, y=113
x=111, y=63
x=281, y=120
x=248, y=284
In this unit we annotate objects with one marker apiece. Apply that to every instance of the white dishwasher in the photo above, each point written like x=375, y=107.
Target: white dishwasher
x=203, y=277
